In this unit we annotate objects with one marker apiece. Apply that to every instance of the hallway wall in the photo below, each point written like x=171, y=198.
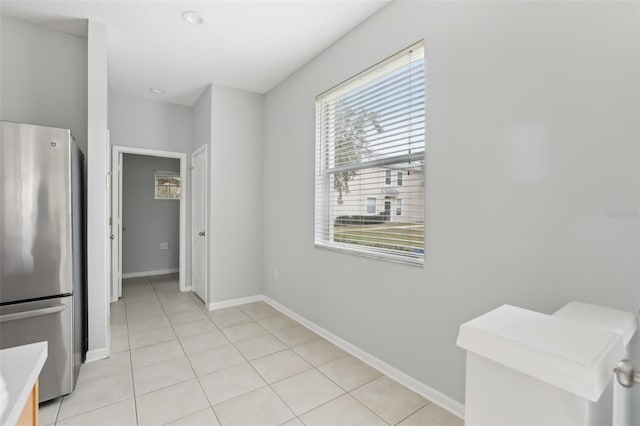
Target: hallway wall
x=148, y=222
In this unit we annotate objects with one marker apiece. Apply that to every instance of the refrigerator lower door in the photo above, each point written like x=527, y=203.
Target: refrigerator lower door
x=48, y=320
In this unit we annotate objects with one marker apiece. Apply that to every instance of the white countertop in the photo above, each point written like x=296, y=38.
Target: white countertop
x=19, y=370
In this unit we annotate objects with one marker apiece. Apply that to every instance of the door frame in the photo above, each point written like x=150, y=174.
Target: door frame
x=202, y=150
x=117, y=153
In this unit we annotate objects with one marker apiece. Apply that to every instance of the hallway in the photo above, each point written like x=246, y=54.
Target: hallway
x=174, y=362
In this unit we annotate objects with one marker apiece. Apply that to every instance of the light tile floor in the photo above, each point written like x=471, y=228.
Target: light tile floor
x=173, y=362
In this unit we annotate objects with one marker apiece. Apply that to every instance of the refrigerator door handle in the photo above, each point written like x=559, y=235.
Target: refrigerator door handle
x=32, y=313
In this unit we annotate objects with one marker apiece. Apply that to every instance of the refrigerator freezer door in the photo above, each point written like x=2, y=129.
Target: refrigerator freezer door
x=35, y=204
x=48, y=320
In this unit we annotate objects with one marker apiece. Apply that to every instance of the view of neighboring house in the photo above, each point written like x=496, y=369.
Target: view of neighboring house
x=395, y=193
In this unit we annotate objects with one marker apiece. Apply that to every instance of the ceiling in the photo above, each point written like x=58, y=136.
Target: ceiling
x=249, y=45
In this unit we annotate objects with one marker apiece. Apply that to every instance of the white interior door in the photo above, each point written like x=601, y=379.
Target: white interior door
x=199, y=223
x=116, y=226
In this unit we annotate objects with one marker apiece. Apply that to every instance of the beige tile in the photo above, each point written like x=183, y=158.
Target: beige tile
x=389, y=399
x=319, y=352
x=307, y=390
x=278, y=322
x=171, y=296
x=139, y=295
x=117, y=363
x=118, y=414
x=201, y=418
x=231, y=319
x=142, y=303
x=280, y=365
x=258, y=310
x=48, y=411
x=118, y=330
x=223, y=311
x=432, y=415
x=187, y=316
x=342, y=411
x=203, y=342
x=349, y=372
x=244, y=332
x=215, y=359
x=154, y=354
x=172, y=403
x=231, y=382
x=157, y=376
x=147, y=312
x=118, y=318
x=194, y=328
x=174, y=306
x=293, y=422
x=147, y=324
x=259, y=407
x=260, y=346
x=96, y=394
x=296, y=336
x=151, y=337
x=119, y=344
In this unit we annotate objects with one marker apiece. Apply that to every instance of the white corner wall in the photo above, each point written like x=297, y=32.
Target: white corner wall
x=532, y=115
x=98, y=242
x=43, y=77
x=236, y=202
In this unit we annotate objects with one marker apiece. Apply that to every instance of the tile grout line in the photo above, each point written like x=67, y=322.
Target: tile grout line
x=133, y=381
x=259, y=375
x=191, y=365
x=346, y=392
x=412, y=413
x=255, y=319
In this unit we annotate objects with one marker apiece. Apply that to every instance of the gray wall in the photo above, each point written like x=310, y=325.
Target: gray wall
x=236, y=203
x=148, y=221
x=141, y=123
x=43, y=77
x=148, y=124
x=532, y=115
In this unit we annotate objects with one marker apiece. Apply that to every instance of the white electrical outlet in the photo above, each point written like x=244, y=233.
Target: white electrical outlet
x=164, y=246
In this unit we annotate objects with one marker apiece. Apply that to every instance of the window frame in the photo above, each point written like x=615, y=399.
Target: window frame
x=375, y=205
x=159, y=174
x=329, y=168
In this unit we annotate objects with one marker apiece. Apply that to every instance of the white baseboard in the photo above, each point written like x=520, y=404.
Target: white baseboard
x=97, y=354
x=444, y=401
x=235, y=302
x=150, y=273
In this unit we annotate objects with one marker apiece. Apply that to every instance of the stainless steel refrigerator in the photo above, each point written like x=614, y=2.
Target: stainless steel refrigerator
x=42, y=249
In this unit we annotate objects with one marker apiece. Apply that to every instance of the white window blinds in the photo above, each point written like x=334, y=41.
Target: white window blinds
x=368, y=129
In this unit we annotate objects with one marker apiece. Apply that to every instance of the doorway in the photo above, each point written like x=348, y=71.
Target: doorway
x=160, y=184
x=199, y=173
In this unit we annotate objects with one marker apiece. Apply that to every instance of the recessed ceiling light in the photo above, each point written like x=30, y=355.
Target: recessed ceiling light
x=192, y=17
x=156, y=91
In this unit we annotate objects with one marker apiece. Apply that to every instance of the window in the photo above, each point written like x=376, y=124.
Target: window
x=167, y=185
x=367, y=128
x=371, y=205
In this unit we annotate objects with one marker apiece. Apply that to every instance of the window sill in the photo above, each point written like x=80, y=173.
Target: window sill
x=405, y=260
